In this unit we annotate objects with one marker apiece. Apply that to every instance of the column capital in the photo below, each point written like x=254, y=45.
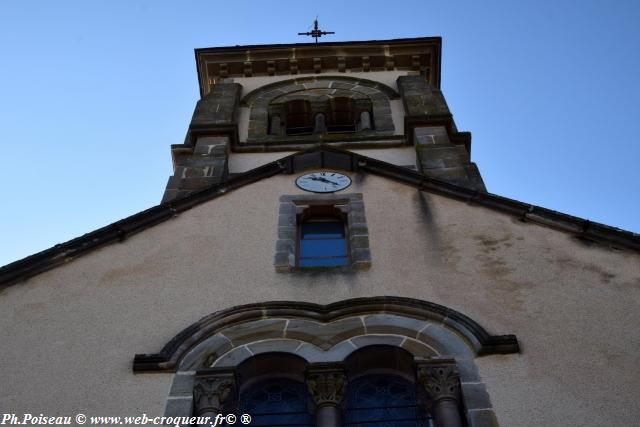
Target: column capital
x=212, y=390
x=440, y=379
x=326, y=383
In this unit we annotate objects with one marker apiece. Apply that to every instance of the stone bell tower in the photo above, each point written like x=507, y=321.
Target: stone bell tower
x=272, y=100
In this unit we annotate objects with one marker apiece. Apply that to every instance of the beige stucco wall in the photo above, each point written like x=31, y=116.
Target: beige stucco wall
x=243, y=162
x=69, y=335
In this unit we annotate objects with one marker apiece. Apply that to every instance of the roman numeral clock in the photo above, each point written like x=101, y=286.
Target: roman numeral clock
x=323, y=182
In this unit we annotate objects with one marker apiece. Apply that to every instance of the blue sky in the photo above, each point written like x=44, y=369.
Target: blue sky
x=93, y=93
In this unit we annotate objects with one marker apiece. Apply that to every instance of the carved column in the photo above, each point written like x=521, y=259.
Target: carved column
x=365, y=120
x=327, y=384
x=441, y=381
x=274, y=129
x=214, y=391
x=320, y=125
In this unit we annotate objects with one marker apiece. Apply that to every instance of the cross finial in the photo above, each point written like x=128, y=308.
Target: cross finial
x=316, y=31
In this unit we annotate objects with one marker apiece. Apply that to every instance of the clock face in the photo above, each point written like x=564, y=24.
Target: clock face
x=323, y=182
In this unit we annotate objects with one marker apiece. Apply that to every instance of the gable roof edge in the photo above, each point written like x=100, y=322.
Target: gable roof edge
x=586, y=230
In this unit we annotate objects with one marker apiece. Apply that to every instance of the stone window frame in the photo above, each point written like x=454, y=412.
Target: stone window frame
x=356, y=233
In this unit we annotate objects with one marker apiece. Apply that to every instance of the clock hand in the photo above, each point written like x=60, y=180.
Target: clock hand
x=324, y=180
x=327, y=180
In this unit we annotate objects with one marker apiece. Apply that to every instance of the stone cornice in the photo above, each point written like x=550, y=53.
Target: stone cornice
x=418, y=54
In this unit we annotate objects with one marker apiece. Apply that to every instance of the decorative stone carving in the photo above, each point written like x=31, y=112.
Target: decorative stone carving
x=327, y=384
x=440, y=381
x=418, y=54
x=212, y=392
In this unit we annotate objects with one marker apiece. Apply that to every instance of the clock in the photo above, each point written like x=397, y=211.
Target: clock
x=323, y=182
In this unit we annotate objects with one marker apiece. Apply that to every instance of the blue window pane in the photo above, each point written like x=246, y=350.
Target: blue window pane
x=323, y=248
x=277, y=402
x=323, y=262
x=322, y=230
x=383, y=401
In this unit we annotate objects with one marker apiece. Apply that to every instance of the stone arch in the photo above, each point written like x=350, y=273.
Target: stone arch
x=212, y=349
x=308, y=329
x=273, y=90
x=375, y=94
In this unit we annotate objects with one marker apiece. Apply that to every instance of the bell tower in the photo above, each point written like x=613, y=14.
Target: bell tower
x=260, y=103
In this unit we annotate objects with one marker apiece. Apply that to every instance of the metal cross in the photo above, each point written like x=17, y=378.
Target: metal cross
x=316, y=31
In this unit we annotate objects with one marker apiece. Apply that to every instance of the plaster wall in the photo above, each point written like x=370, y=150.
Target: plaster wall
x=401, y=156
x=243, y=162
x=69, y=335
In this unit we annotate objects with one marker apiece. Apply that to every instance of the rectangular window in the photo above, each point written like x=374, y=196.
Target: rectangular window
x=322, y=243
x=322, y=231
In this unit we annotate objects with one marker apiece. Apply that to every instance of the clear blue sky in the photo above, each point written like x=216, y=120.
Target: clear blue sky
x=93, y=93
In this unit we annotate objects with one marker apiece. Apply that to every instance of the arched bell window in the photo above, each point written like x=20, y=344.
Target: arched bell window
x=299, y=117
x=342, y=116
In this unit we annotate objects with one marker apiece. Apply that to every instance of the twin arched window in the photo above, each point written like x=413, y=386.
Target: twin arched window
x=373, y=387
x=373, y=400
x=338, y=115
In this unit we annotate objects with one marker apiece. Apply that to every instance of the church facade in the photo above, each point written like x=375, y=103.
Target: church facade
x=326, y=254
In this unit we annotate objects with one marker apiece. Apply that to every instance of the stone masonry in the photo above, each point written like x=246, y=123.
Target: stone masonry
x=202, y=160
x=195, y=170
x=442, y=151
x=438, y=158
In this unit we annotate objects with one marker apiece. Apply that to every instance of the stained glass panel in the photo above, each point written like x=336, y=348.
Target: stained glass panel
x=383, y=401
x=277, y=402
